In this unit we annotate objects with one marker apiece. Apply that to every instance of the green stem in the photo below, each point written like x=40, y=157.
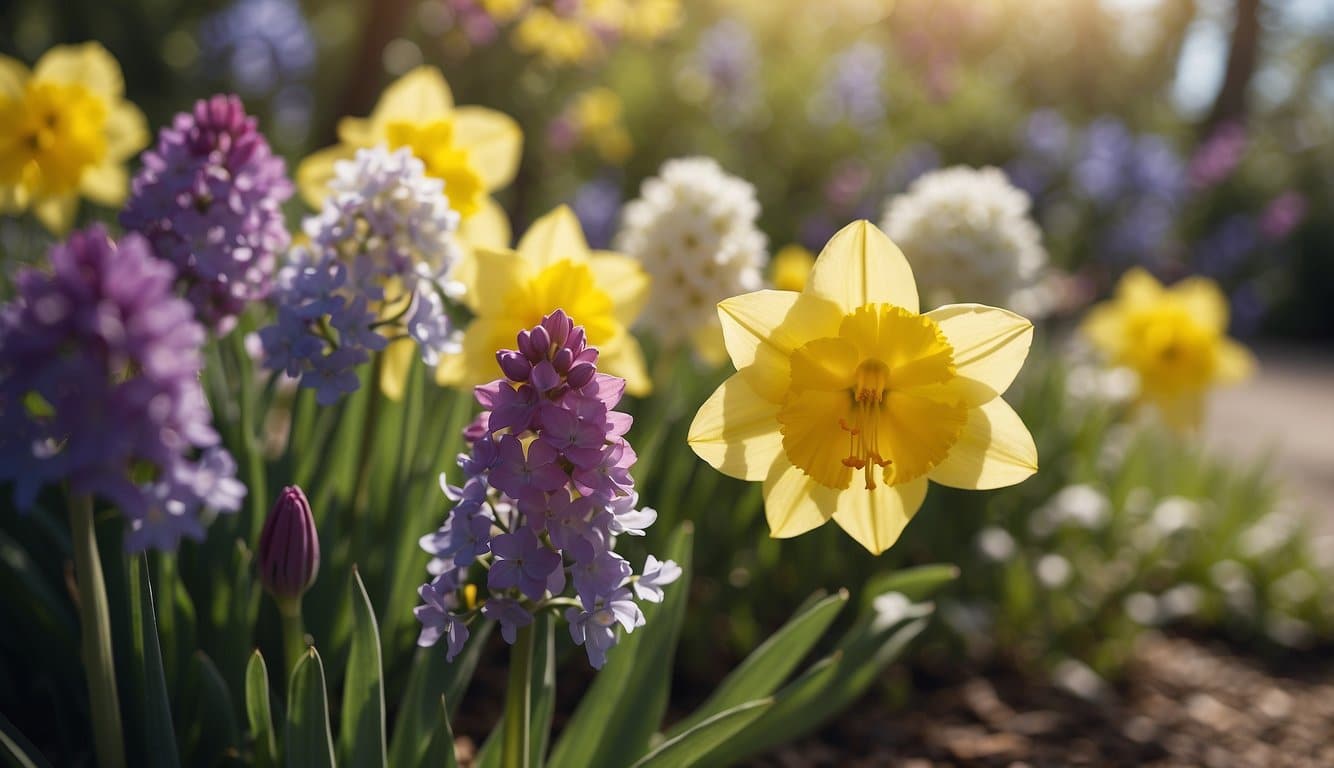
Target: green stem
x=95, y=619
x=255, y=478
x=518, y=702
x=294, y=631
x=361, y=492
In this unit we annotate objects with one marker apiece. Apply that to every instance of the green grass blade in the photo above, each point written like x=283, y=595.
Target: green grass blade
x=159, y=734
x=258, y=711
x=361, y=740
x=769, y=665
x=213, y=728
x=307, y=741
x=16, y=749
x=431, y=678
x=688, y=748
x=916, y=584
x=789, y=714
x=440, y=753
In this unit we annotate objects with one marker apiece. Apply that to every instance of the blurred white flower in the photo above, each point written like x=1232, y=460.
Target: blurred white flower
x=894, y=607
x=1234, y=580
x=1138, y=501
x=1181, y=601
x=1053, y=571
x=968, y=235
x=1142, y=608
x=1079, y=679
x=995, y=544
x=693, y=229
x=1288, y=631
x=1096, y=384
x=1269, y=535
x=1175, y=513
x=1293, y=588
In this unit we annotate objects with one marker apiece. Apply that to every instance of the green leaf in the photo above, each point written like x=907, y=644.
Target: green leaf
x=916, y=584
x=543, y=705
x=361, y=739
x=769, y=665
x=159, y=734
x=440, y=752
x=258, y=712
x=432, y=677
x=213, y=725
x=307, y=743
x=625, y=704
x=16, y=749
x=689, y=747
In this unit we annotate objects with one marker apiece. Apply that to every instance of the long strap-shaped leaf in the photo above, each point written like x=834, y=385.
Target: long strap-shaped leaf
x=361, y=739
x=307, y=741
x=258, y=711
x=624, y=706
x=769, y=665
x=688, y=748
x=440, y=752
x=432, y=677
x=16, y=749
x=159, y=734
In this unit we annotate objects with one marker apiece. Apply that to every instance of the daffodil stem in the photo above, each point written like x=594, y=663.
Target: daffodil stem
x=294, y=630
x=95, y=621
x=514, y=751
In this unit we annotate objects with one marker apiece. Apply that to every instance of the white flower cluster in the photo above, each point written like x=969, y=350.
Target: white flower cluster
x=693, y=229
x=968, y=235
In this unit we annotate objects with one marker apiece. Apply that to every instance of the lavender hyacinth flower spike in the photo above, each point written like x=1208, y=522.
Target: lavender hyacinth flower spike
x=289, y=546
x=546, y=491
x=209, y=198
x=99, y=376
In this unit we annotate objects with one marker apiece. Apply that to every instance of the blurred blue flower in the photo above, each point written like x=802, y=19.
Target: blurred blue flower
x=1046, y=136
x=1157, y=169
x=852, y=90
x=1100, y=170
x=724, y=71
x=1248, y=309
x=1222, y=252
x=597, y=204
x=1140, y=235
x=260, y=44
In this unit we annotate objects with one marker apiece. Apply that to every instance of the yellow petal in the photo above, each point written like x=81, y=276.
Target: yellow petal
x=488, y=277
x=86, y=64
x=420, y=96
x=126, y=131
x=1204, y=301
x=994, y=450
x=624, y=280
x=476, y=362
x=356, y=131
x=13, y=198
x=105, y=184
x=1137, y=288
x=1235, y=362
x=56, y=213
x=555, y=237
x=736, y=431
x=762, y=329
x=623, y=357
x=1104, y=327
x=13, y=76
x=790, y=503
x=814, y=438
x=395, y=365
x=860, y=265
x=315, y=172
x=990, y=346
x=488, y=227
x=708, y=343
x=876, y=518
x=493, y=141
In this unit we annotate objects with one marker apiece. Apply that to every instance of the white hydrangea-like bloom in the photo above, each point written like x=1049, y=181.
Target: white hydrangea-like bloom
x=968, y=235
x=693, y=229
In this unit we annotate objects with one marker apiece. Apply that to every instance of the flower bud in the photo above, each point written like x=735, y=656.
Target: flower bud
x=289, y=546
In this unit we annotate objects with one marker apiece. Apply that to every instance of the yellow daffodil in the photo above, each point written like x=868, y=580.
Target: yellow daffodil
x=596, y=114
x=66, y=131
x=846, y=400
x=553, y=268
x=473, y=149
x=791, y=266
x=560, y=40
x=1174, y=338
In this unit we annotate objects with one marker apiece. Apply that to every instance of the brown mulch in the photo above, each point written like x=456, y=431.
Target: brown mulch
x=1182, y=704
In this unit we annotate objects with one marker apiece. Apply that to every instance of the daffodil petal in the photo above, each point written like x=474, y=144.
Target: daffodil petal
x=623, y=357
x=762, y=329
x=488, y=276
x=1204, y=301
x=56, y=213
x=419, y=96
x=790, y=503
x=493, y=141
x=317, y=170
x=395, y=365
x=624, y=280
x=994, y=450
x=860, y=265
x=1104, y=327
x=126, y=131
x=1235, y=362
x=106, y=184
x=736, y=431
x=555, y=237
x=1138, y=287
x=86, y=64
x=708, y=343
x=990, y=346
x=356, y=131
x=488, y=227
x=876, y=518
x=13, y=76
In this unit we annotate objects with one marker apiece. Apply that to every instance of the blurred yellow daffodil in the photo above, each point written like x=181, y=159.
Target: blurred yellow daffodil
x=66, y=131
x=596, y=114
x=553, y=268
x=791, y=267
x=1174, y=338
x=473, y=149
x=846, y=400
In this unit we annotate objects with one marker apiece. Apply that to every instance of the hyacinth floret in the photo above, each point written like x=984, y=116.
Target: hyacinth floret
x=99, y=388
x=209, y=198
x=546, y=491
x=375, y=269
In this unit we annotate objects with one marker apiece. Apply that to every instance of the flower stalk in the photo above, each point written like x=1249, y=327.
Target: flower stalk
x=95, y=620
x=518, y=702
x=294, y=630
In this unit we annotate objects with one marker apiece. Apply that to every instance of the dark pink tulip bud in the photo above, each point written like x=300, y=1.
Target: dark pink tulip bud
x=289, y=546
